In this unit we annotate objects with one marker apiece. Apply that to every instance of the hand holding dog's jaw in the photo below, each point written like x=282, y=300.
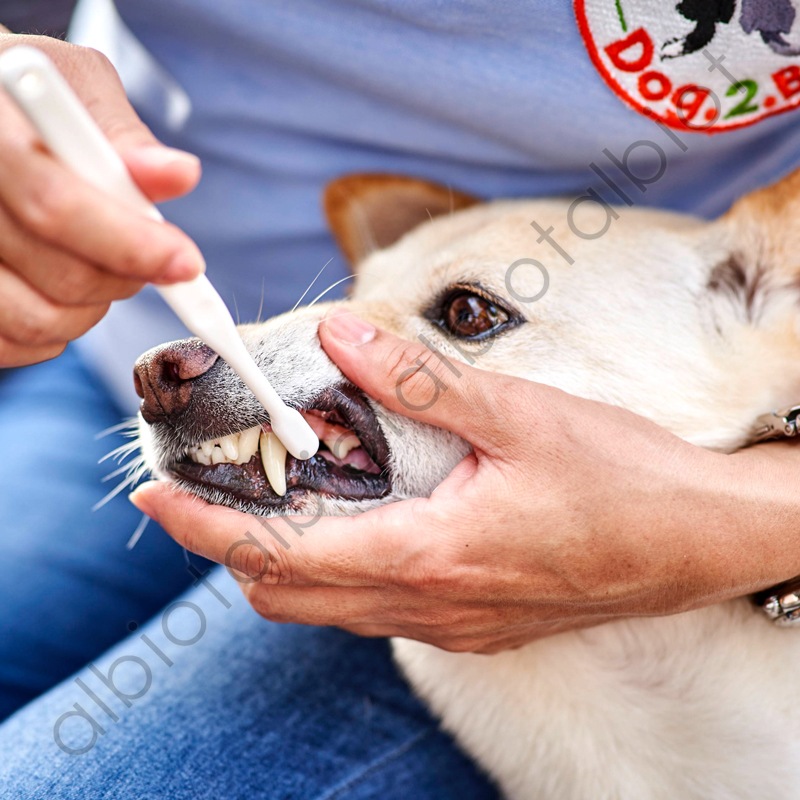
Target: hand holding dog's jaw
x=541, y=529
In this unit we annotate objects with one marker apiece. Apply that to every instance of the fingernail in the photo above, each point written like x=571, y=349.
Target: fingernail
x=139, y=499
x=183, y=267
x=349, y=328
x=162, y=157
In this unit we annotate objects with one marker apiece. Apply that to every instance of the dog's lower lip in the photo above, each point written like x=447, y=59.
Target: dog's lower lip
x=248, y=482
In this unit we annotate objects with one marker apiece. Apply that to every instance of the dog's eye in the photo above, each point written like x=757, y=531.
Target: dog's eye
x=469, y=315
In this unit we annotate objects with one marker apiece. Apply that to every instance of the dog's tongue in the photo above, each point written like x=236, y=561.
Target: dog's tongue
x=337, y=438
x=358, y=458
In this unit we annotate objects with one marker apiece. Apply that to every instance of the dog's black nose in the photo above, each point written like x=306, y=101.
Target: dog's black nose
x=164, y=377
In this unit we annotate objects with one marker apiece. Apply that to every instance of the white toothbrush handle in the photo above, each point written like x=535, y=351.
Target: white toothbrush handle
x=199, y=306
x=71, y=134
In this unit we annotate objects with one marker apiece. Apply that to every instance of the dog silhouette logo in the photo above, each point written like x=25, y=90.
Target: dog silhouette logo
x=698, y=65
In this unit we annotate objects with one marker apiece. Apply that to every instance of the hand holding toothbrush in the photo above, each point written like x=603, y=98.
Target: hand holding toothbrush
x=67, y=250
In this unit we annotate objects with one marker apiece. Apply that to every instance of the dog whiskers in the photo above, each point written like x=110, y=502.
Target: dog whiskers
x=120, y=426
x=137, y=534
x=117, y=472
x=236, y=309
x=308, y=288
x=129, y=430
x=261, y=302
x=139, y=469
x=332, y=286
x=133, y=470
x=121, y=452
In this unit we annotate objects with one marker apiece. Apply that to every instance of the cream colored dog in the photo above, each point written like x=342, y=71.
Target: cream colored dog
x=689, y=323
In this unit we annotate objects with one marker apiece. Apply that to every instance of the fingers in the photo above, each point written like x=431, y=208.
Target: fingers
x=15, y=355
x=341, y=607
x=162, y=173
x=383, y=612
x=56, y=274
x=49, y=203
x=302, y=551
x=342, y=572
x=67, y=249
x=31, y=320
x=97, y=84
x=420, y=381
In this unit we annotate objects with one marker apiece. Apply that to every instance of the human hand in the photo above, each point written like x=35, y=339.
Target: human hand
x=66, y=249
x=568, y=513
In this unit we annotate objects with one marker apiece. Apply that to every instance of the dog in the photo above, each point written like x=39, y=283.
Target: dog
x=772, y=21
x=693, y=324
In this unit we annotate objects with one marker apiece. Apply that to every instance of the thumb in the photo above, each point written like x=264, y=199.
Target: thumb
x=423, y=383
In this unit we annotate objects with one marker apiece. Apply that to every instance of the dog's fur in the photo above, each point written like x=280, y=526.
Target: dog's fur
x=689, y=323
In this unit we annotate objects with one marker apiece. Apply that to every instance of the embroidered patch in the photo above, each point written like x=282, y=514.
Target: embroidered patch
x=701, y=65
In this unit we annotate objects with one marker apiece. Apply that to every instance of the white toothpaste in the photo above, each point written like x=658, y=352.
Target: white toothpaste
x=69, y=131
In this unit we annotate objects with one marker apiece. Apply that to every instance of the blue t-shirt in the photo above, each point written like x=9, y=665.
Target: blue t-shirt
x=517, y=98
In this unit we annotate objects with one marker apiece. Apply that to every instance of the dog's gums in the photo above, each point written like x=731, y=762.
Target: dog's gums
x=253, y=466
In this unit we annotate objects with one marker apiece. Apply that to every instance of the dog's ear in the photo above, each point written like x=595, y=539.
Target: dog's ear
x=367, y=212
x=765, y=228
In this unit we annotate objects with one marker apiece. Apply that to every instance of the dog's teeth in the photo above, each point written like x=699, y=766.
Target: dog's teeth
x=340, y=446
x=239, y=448
x=248, y=444
x=230, y=447
x=217, y=456
x=198, y=456
x=273, y=457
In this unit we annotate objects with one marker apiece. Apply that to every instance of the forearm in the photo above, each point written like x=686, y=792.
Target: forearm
x=759, y=517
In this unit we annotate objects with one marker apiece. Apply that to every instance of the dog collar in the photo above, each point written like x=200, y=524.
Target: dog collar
x=776, y=424
x=780, y=603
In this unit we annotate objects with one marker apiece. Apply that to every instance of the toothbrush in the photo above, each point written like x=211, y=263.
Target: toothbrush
x=69, y=131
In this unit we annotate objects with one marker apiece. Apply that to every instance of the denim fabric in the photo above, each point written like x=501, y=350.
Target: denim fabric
x=205, y=700
x=69, y=587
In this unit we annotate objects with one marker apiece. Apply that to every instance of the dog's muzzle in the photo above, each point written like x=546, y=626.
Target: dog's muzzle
x=247, y=462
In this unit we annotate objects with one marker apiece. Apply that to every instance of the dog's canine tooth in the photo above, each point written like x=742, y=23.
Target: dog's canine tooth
x=273, y=457
x=248, y=444
x=230, y=446
x=340, y=446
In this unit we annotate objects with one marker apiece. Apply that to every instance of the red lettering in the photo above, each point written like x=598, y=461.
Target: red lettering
x=654, y=85
x=631, y=62
x=688, y=101
x=787, y=80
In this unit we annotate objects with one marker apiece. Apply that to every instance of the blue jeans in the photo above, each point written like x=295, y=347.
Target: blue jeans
x=198, y=697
